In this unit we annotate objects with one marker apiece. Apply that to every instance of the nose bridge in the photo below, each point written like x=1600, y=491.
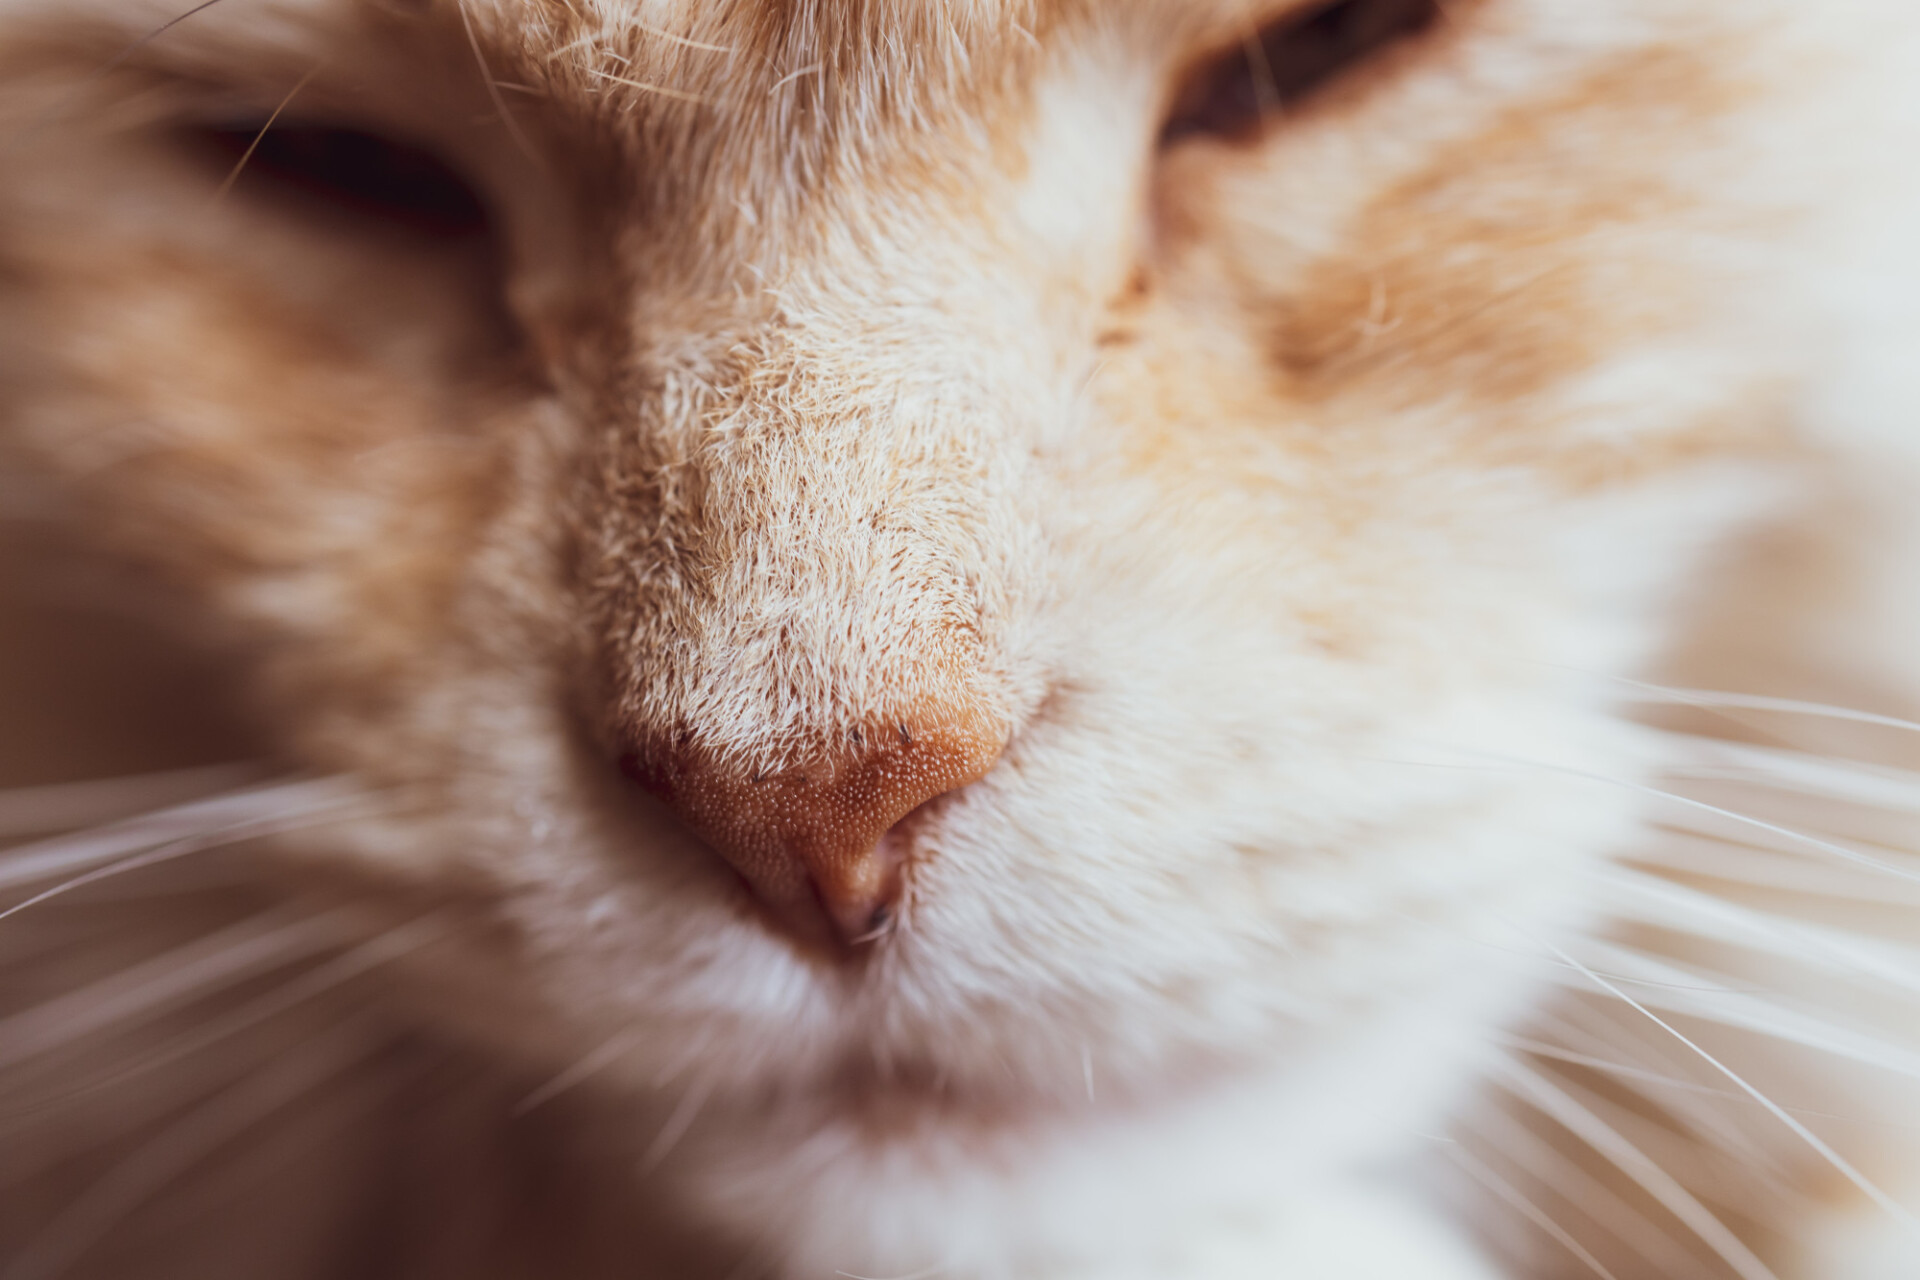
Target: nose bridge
x=847, y=552
x=823, y=660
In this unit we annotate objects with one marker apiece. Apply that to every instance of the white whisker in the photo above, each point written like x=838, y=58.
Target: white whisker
x=65, y=805
x=1536, y=1090
x=1788, y=1026
x=1652, y=901
x=1813, y=1140
x=1481, y=1172
x=383, y=949
x=1559, y=1053
x=684, y=1113
x=1710, y=699
x=587, y=1067
x=256, y=945
x=185, y=1142
x=1797, y=837
x=1719, y=857
x=925, y=1273
x=282, y=802
x=1714, y=759
x=1560, y=1174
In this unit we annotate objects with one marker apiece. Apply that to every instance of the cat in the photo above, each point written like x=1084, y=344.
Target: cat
x=996, y=639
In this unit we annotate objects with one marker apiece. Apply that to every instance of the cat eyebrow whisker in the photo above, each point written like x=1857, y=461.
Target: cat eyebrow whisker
x=684, y=41
x=151, y=36
x=648, y=86
x=233, y=174
x=791, y=76
x=74, y=95
x=507, y=118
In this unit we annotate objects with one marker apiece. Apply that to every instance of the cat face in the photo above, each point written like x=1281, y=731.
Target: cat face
x=1137, y=503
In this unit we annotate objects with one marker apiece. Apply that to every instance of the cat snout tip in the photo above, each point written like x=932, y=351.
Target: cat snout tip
x=821, y=843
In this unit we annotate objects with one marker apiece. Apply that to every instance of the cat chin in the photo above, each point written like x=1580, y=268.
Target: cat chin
x=1043, y=1192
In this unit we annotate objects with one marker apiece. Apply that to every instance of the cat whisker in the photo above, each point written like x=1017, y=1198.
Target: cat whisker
x=1849, y=781
x=216, y=815
x=1534, y=1089
x=1557, y=1172
x=1643, y=1075
x=1711, y=699
x=254, y=946
x=153, y=35
x=1719, y=858
x=233, y=174
x=587, y=1067
x=681, y=1119
x=1839, y=1163
x=61, y=106
x=507, y=118
x=385, y=948
x=1558, y=1053
x=1725, y=1131
x=648, y=87
x=66, y=805
x=1786, y=1025
x=1486, y=1176
x=153, y=855
x=1535, y=955
x=925, y=1273
x=193, y=1137
x=1664, y=904
x=1688, y=802
x=686, y=42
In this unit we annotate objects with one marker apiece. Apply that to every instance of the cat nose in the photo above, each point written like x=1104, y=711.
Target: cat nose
x=817, y=839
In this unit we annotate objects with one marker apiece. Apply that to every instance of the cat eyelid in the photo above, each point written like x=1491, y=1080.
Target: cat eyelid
x=350, y=168
x=1309, y=50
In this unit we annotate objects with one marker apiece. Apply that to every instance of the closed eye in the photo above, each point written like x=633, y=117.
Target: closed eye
x=350, y=171
x=1288, y=61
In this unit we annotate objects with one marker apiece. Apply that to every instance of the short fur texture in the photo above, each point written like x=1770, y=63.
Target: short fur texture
x=1305, y=513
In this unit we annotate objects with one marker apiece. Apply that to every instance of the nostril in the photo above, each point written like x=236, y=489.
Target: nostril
x=878, y=925
x=819, y=837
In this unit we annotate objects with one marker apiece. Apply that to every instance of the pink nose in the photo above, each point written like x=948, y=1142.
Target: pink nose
x=811, y=840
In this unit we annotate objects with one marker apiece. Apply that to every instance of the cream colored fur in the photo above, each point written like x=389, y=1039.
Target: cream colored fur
x=1307, y=509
